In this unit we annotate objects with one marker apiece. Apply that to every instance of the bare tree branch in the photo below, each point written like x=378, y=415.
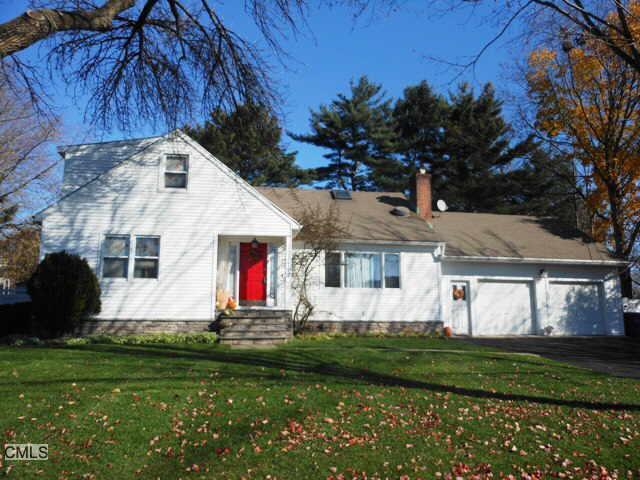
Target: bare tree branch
x=36, y=25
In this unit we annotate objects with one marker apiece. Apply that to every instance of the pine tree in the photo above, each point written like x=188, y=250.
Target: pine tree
x=419, y=116
x=543, y=186
x=358, y=132
x=249, y=141
x=479, y=153
x=476, y=163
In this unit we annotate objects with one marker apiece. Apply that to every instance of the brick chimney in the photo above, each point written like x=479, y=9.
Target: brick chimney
x=421, y=194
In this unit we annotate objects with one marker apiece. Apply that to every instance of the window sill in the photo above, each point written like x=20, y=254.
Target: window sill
x=174, y=190
x=365, y=288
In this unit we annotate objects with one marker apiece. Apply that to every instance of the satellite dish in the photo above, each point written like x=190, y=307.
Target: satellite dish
x=442, y=205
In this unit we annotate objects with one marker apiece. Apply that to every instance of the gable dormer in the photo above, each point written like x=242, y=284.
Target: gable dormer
x=84, y=162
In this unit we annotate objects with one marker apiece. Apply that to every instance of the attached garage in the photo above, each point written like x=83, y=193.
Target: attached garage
x=528, y=298
x=575, y=308
x=503, y=308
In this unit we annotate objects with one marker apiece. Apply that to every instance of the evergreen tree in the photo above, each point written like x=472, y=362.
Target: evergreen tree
x=249, y=141
x=543, y=186
x=475, y=162
x=419, y=116
x=358, y=132
x=479, y=153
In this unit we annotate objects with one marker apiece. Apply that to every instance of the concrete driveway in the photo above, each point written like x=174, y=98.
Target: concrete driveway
x=618, y=356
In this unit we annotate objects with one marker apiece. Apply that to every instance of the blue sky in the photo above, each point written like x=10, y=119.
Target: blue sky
x=392, y=49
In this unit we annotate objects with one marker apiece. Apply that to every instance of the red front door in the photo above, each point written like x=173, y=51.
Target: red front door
x=253, y=273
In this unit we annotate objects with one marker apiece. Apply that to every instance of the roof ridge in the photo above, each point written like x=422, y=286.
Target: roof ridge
x=152, y=137
x=298, y=189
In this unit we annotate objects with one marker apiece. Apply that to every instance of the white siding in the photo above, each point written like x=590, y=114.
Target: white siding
x=129, y=199
x=417, y=299
x=82, y=163
x=542, y=278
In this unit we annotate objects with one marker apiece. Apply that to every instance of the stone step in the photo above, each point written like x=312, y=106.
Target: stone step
x=257, y=328
x=254, y=343
x=255, y=320
x=247, y=323
x=261, y=334
x=257, y=314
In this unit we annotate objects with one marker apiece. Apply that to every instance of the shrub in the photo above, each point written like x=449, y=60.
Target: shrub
x=15, y=319
x=204, y=338
x=145, y=339
x=148, y=338
x=64, y=291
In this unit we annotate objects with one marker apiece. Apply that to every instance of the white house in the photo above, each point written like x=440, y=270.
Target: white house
x=165, y=225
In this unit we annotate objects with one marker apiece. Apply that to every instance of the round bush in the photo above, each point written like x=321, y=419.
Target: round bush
x=64, y=291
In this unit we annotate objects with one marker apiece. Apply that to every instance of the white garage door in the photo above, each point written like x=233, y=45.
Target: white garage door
x=575, y=309
x=503, y=308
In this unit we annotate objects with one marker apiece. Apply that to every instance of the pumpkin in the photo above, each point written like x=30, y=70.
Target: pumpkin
x=458, y=293
x=222, y=297
x=447, y=331
x=232, y=304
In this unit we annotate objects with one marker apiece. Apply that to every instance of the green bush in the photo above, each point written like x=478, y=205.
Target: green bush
x=64, y=291
x=146, y=338
x=206, y=338
x=19, y=340
x=15, y=319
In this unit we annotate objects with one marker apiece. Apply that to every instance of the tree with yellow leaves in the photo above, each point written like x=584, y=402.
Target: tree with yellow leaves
x=587, y=102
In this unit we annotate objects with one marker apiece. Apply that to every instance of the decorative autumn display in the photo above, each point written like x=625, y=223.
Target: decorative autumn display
x=222, y=298
x=447, y=331
x=458, y=293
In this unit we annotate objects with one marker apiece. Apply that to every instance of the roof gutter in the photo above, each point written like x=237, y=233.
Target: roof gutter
x=413, y=243
x=557, y=261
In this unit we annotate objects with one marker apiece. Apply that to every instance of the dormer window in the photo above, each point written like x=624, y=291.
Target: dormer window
x=176, y=171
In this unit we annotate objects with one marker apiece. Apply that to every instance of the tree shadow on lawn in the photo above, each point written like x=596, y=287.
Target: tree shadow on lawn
x=485, y=355
x=305, y=362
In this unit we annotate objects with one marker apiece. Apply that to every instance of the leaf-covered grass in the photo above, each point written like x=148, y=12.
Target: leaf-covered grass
x=341, y=408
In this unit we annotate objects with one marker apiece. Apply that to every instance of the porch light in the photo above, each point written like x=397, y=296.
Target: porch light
x=255, y=243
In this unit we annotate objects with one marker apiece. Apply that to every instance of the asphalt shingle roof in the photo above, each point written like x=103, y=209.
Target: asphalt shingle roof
x=368, y=216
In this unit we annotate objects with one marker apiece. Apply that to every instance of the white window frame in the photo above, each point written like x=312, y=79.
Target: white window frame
x=165, y=170
x=131, y=258
x=343, y=272
x=135, y=256
x=103, y=255
x=324, y=270
x=384, y=277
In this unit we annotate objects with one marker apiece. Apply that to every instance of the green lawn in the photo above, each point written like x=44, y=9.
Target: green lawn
x=341, y=408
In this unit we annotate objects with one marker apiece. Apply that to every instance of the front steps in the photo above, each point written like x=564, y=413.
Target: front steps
x=249, y=328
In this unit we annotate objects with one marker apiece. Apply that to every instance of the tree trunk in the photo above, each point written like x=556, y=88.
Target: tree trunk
x=626, y=282
x=36, y=25
x=617, y=225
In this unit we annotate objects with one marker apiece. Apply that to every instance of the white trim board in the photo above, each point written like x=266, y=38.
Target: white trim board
x=551, y=261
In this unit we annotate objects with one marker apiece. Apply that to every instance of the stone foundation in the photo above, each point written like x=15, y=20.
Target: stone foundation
x=129, y=327
x=424, y=328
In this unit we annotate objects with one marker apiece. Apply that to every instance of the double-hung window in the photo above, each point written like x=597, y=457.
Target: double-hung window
x=362, y=270
x=116, y=256
x=147, y=257
x=391, y=270
x=332, y=269
x=115, y=262
x=176, y=171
